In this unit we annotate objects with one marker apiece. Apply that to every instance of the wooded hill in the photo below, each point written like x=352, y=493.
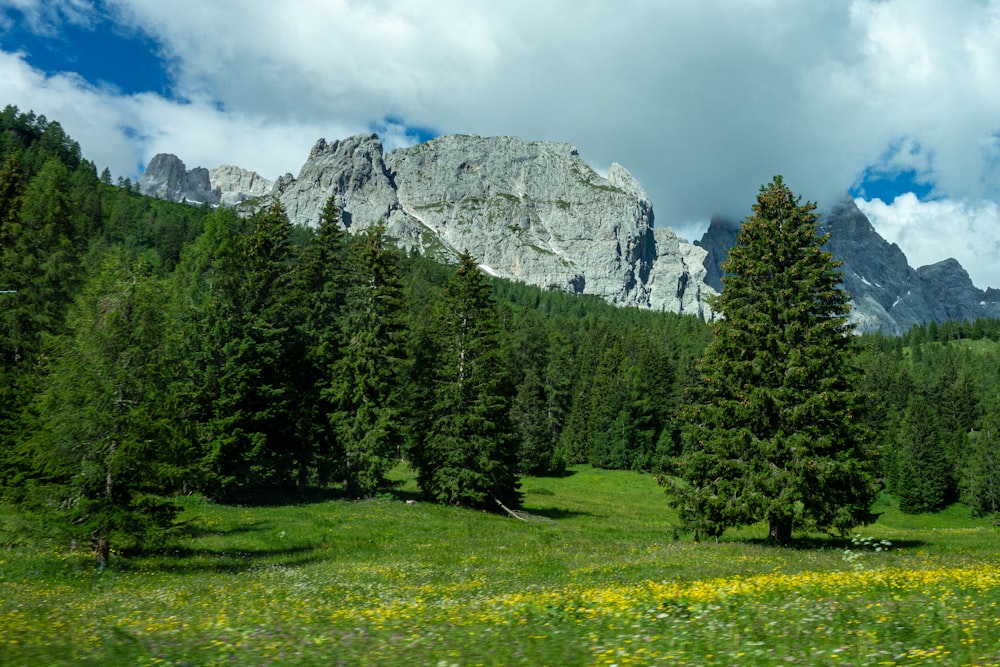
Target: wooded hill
x=152, y=349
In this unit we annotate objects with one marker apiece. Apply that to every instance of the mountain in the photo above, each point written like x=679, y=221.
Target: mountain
x=535, y=212
x=887, y=294
x=528, y=211
x=167, y=177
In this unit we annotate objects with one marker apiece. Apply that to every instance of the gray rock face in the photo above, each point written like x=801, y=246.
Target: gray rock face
x=235, y=185
x=354, y=170
x=166, y=177
x=887, y=294
x=720, y=237
x=536, y=212
x=528, y=211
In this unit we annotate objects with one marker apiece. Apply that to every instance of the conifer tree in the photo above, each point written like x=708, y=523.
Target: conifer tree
x=772, y=430
x=249, y=430
x=319, y=287
x=980, y=481
x=921, y=476
x=467, y=456
x=103, y=454
x=367, y=417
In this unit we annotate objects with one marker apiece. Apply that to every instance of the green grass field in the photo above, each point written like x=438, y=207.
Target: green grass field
x=594, y=577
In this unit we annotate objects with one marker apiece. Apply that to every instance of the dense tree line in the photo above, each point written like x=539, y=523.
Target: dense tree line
x=936, y=402
x=151, y=349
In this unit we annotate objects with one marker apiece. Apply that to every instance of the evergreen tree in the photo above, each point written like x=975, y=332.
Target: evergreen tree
x=922, y=475
x=103, y=454
x=467, y=456
x=772, y=429
x=39, y=259
x=320, y=283
x=980, y=477
x=534, y=435
x=249, y=428
x=367, y=389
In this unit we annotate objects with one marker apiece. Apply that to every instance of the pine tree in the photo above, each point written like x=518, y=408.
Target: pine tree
x=980, y=476
x=248, y=430
x=772, y=429
x=468, y=456
x=103, y=455
x=39, y=259
x=319, y=287
x=921, y=475
x=367, y=397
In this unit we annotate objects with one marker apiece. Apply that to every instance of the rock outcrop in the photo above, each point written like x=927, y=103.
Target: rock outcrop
x=167, y=177
x=720, y=237
x=528, y=211
x=234, y=185
x=534, y=211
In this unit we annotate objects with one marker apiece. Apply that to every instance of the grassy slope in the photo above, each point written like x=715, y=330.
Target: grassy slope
x=594, y=577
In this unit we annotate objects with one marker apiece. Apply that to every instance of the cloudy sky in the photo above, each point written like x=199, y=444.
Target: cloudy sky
x=896, y=102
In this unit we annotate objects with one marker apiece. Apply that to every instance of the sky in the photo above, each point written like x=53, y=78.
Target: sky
x=894, y=102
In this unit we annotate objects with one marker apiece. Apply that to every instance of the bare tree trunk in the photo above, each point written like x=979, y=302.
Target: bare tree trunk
x=781, y=531
x=102, y=547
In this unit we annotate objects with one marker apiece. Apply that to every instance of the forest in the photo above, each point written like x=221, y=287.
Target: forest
x=154, y=349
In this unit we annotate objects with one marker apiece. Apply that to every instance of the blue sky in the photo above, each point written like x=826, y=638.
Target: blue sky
x=896, y=102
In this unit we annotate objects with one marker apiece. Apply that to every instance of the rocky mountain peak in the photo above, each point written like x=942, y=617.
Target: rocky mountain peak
x=535, y=211
x=887, y=294
x=166, y=177
x=234, y=185
x=527, y=210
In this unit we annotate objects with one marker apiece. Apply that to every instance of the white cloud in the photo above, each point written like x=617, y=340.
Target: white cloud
x=93, y=117
x=931, y=231
x=703, y=101
x=44, y=17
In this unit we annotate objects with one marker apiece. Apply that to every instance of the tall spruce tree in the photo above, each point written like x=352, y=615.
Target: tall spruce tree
x=319, y=287
x=922, y=475
x=367, y=417
x=467, y=456
x=980, y=477
x=772, y=430
x=249, y=431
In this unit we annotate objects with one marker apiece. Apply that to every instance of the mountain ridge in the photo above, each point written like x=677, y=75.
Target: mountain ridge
x=535, y=212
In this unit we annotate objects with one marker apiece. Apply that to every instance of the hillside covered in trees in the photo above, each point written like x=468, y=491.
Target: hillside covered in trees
x=151, y=349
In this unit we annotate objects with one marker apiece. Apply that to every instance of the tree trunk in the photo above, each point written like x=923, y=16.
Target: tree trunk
x=102, y=548
x=781, y=531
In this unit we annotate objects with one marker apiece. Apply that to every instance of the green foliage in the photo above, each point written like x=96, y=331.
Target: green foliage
x=467, y=457
x=319, y=286
x=921, y=473
x=249, y=430
x=980, y=474
x=367, y=388
x=772, y=430
x=299, y=359
x=103, y=453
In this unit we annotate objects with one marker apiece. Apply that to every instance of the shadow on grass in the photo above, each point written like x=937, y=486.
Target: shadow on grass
x=187, y=560
x=280, y=497
x=195, y=529
x=814, y=543
x=403, y=495
x=559, y=474
x=555, y=513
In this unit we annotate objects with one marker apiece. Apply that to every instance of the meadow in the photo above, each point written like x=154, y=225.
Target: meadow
x=596, y=575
